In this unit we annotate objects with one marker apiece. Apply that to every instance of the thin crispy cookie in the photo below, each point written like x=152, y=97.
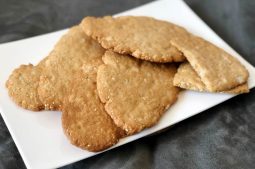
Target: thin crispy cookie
x=84, y=120
x=72, y=51
x=217, y=69
x=136, y=92
x=187, y=78
x=22, y=87
x=142, y=37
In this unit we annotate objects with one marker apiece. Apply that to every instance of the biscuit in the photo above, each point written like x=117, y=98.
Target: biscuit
x=142, y=37
x=136, y=93
x=158, y=41
x=84, y=120
x=22, y=87
x=72, y=51
x=187, y=78
x=217, y=69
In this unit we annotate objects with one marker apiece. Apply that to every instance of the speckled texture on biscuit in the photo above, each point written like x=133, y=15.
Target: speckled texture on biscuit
x=187, y=78
x=159, y=41
x=72, y=51
x=136, y=92
x=84, y=120
x=217, y=69
x=143, y=37
x=22, y=87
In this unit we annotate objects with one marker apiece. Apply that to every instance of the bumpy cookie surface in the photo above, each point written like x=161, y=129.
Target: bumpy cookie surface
x=143, y=37
x=72, y=51
x=136, y=92
x=84, y=120
x=22, y=87
x=187, y=78
x=159, y=41
x=217, y=69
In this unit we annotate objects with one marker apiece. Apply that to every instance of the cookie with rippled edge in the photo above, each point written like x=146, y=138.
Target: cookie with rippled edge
x=72, y=51
x=84, y=119
x=142, y=37
x=136, y=93
x=187, y=78
x=22, y=87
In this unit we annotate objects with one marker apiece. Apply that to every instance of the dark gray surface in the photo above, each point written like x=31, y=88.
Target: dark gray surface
x=222, y=137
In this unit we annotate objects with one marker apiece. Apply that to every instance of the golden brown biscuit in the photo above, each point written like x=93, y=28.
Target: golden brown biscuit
x=136, y=92
x=154, y=40
x=143, y=37
x=217, y=69
x=84, y=120
x=72, y=51
x=22, y=87
x=187, y=78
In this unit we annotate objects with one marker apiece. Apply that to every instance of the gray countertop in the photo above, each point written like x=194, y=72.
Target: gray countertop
x=219, y=138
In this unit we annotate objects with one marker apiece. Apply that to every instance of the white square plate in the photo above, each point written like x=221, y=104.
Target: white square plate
x=39, y=136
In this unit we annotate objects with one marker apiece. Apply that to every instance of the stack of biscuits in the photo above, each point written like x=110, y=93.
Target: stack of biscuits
x=113, y=77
